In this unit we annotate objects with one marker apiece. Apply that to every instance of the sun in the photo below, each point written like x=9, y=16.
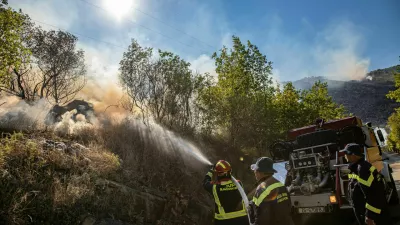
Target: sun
x=118, y=8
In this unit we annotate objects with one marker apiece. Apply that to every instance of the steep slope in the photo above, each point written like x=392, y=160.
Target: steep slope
x=365, y=98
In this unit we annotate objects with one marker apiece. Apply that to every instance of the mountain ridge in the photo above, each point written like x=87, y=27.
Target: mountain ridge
x=365, y=98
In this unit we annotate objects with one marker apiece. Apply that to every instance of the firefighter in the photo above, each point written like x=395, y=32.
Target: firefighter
x=271, y=203
x=229, y=206
x=366, y=189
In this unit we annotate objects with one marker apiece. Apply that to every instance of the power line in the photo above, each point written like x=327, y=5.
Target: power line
x=50, y=25
x=166, y=36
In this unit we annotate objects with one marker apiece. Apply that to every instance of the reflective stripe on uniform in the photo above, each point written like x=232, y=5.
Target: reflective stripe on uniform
x=222, y=215
x=362, y=181
x=266, y=192
x=210, y=174
x=373, y=209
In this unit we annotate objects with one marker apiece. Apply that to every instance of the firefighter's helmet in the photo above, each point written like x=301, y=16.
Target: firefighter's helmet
x=222, y=167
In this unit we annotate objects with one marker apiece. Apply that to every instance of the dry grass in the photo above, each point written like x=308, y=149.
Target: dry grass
x=40, y=186
x=47, y=186
x=148, y=166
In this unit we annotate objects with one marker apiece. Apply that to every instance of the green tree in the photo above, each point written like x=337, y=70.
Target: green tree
x=395, y=95
x=290, y=109
x=317, y=103
x=239, y=102
x=394, y=119
x=297, y=108
x=12, y=48
x=394, y=135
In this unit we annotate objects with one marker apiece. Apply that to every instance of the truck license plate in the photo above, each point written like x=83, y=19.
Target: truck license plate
x=312, y=210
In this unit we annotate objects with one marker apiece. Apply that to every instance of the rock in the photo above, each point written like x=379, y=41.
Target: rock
x=73, y=149
x=53, y=145
x=78, y=147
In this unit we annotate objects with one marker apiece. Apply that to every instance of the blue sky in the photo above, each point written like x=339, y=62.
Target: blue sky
x=338, y=39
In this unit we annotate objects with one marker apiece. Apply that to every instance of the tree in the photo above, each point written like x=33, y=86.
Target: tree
x=297, y=108
x=394, y=119
x=12, y=48
x=240, y=102
x=394, y=135
x=395, y=95
x=19, y=77
x=135, y=69
x=318, y=104
x=161, y=88
x=62, y=67
x=290, y=109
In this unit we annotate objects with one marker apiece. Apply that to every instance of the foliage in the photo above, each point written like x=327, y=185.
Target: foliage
x=12, y=48
x=297, y=108
x=394, y=135
x=62, y=67
x=162, y=87
x=394, y=119
x=238, y=102
x=396, y=93
x=318, y=104
x=39, y=63
x=290, y=109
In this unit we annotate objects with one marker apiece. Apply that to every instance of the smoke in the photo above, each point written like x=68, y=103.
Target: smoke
x=106, y=98
x=335, y=52
x=67, y=126
x=16, y=114
x=338, y=51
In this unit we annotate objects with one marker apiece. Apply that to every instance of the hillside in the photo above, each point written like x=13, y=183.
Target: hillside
x=365, y=98
x=116, y=172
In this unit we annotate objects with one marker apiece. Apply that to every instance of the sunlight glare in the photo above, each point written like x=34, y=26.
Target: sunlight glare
x=119, y=8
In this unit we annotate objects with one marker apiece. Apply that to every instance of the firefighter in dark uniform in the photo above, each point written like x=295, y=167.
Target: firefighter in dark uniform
x=229, y=206
x=271, y=204
x=366, y=188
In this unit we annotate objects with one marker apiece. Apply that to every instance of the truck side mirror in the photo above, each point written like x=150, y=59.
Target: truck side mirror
x=380, y=135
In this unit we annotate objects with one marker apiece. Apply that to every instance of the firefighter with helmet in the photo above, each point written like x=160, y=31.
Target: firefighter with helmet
x=271, y=203
x=366, y=188
x=229, y=206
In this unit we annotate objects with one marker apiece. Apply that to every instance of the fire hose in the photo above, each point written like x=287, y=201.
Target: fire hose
x=244, y=196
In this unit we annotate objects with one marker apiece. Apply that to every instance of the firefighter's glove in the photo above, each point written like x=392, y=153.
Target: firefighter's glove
x=210, y=172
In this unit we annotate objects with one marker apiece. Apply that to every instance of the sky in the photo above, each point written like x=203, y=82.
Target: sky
x=339, y=39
